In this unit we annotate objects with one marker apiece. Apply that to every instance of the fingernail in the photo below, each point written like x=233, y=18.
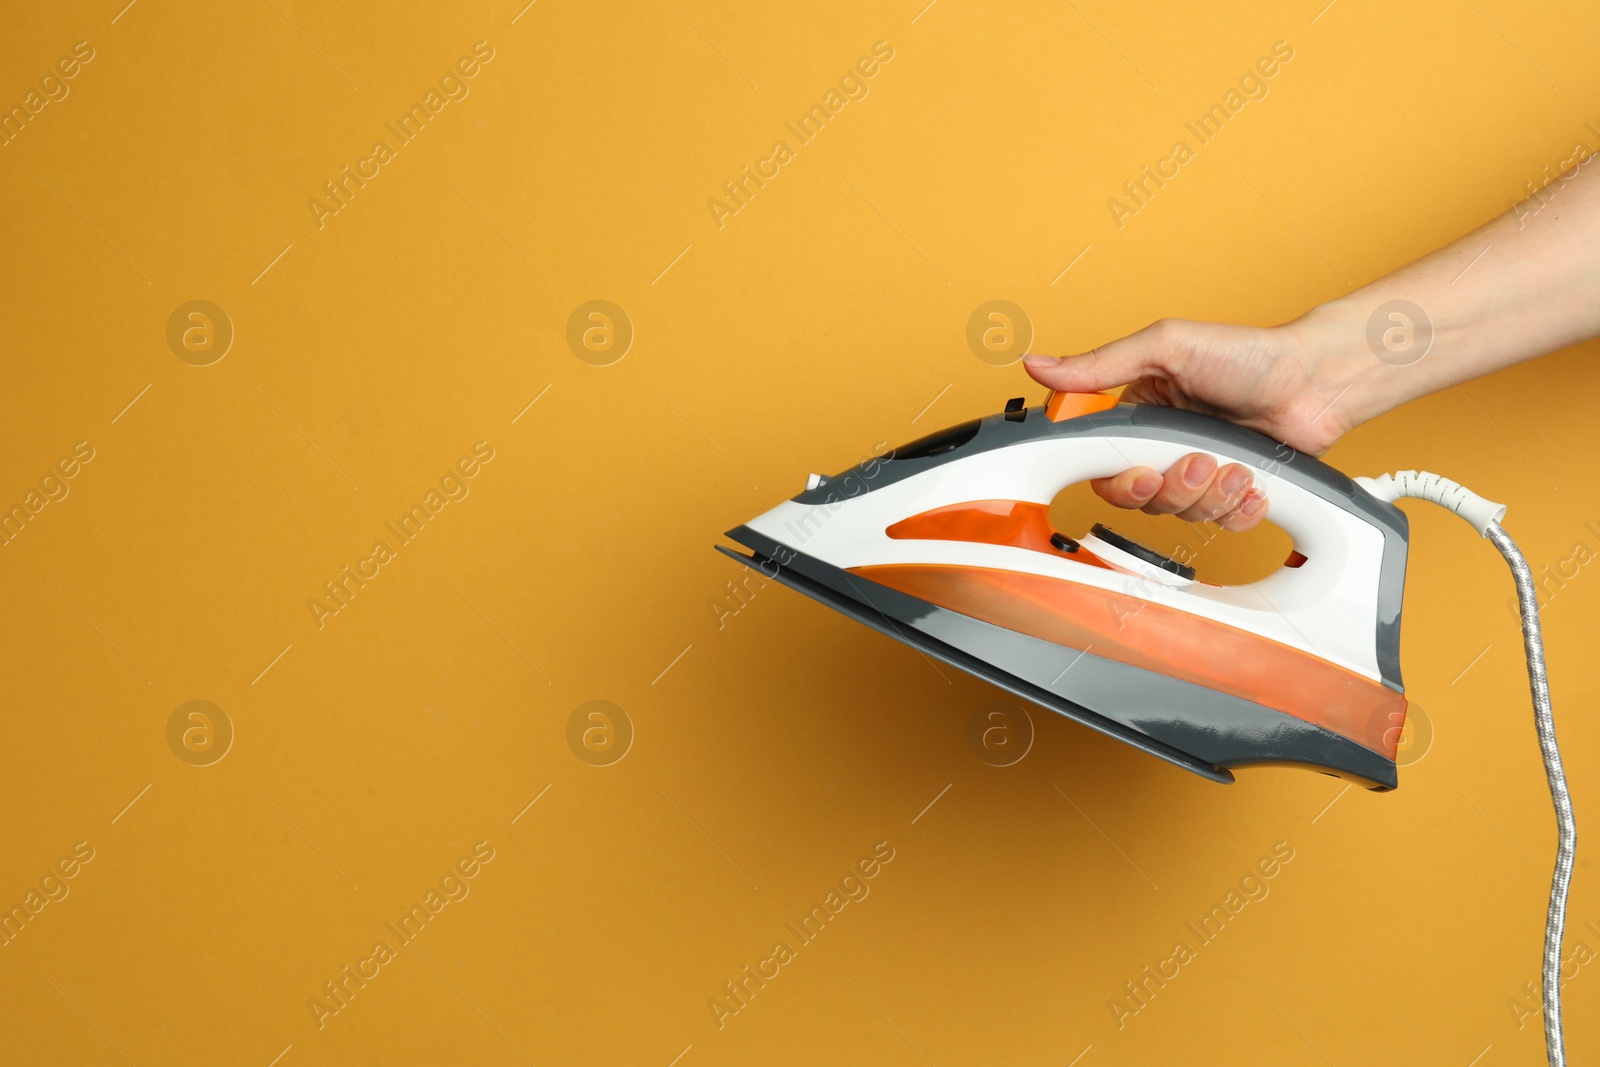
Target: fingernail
x=1253, y=503
x=1199, y=469
x=1042, y=361
x=1147, y=484
x=1234, y=481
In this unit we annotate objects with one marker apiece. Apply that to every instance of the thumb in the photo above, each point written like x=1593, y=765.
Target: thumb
x=1118, y=363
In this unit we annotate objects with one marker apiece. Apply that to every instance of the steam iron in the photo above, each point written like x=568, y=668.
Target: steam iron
x=946, y=544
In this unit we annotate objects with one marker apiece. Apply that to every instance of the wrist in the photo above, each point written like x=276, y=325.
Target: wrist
x=1345, y=382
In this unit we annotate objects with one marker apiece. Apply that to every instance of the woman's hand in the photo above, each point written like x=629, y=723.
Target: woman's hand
x=1519, y=287
x=1266, y=379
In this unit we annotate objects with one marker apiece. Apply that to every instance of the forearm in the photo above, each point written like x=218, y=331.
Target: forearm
x=1523, y=285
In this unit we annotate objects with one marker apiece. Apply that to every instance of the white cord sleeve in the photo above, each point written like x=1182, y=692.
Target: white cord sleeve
x=1425, y=485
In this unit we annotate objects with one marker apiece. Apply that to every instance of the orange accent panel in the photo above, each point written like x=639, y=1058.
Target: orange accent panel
x=1164, y=639
x=1018, y=523
x=1071, y=405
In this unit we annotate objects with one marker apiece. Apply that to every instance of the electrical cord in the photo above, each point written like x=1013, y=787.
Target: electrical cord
x=1485, y=516
x=1538, y=681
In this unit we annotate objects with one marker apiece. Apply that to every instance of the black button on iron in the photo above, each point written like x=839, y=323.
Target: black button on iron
x=1014, y=409
x=1138, y=551
x=1063, y=542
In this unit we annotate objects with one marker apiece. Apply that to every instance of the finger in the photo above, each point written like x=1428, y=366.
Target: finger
x=1249, y=513
x=1130, y=489
x=1185, y=483
x=1223, y=494
x=1106, y=367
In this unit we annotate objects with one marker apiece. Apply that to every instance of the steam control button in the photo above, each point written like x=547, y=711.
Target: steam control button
x=1063, y=542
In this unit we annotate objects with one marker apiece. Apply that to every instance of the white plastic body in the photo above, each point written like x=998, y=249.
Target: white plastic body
x=1327, y=606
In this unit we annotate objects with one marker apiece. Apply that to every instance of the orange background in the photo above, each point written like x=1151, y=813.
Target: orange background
x=773, y=748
